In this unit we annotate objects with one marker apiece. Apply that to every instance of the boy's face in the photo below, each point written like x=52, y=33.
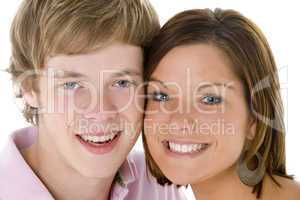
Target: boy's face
x=91, y=107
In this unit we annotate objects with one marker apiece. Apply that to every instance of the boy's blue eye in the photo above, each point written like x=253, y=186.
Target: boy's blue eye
x=160, y=96
x=71, y=85
x=122, y=83
x=211, y=100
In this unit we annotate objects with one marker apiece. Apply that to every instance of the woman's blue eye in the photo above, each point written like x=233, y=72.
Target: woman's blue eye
x=160, y=96
x=211, y=100
x=122, y=83
x=71, y=85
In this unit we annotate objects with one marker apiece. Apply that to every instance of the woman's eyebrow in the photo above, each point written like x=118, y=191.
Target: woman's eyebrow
x=153, y=79
x=202, y=86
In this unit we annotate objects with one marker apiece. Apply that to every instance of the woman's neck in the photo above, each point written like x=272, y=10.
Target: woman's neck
x=62, y=181
x=225, y=186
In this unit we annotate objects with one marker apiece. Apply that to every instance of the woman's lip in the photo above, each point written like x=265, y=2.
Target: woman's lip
x=174, y=154
x=188, y=142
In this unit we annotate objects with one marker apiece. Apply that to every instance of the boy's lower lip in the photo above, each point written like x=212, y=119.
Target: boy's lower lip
x=99, y=148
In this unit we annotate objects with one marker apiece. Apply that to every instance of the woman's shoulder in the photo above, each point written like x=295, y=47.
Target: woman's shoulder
x=290, y=189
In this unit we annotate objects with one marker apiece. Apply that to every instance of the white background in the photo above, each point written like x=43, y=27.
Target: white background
x=279, y=21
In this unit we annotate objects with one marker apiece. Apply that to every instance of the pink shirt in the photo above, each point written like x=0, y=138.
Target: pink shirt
x=19, y=182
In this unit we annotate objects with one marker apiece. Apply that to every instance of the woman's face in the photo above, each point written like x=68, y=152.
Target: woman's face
x=197, y=118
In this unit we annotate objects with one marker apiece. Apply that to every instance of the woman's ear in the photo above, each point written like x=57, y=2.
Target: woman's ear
x=252, y=129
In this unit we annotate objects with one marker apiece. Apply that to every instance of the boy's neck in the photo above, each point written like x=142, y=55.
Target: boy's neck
x=62, y=181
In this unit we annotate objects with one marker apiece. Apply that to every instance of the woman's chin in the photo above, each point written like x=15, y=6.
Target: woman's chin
x=182, y=179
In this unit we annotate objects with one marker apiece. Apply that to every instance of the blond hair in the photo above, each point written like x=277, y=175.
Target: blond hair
x=43, y=28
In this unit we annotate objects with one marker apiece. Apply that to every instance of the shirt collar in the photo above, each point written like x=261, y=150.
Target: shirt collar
x=128, y=171
x=18, y=181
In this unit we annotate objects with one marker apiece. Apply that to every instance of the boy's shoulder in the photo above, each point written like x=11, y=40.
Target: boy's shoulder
x=138, y=159
x=17, y=180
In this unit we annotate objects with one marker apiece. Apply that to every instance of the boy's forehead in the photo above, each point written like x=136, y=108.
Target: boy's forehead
x=113, y=50
x=119, y=58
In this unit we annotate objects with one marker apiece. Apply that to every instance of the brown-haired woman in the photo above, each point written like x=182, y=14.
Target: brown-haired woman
x=214, y=116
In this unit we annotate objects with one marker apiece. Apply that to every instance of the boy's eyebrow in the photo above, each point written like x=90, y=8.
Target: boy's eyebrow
x=126, y=73
x=67, y=74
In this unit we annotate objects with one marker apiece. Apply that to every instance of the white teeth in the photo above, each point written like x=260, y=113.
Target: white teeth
x=195, y=147
x=97, y=139
x=177, y=147
x=172, y=145
x=185, y=148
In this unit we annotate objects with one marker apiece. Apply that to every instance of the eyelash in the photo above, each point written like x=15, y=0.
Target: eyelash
x=128, y=83
x=66, y=85
x=215, y=99
x=154, y=95
x=205, y=99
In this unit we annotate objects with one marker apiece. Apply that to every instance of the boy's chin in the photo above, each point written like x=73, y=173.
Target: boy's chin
x=99, y=173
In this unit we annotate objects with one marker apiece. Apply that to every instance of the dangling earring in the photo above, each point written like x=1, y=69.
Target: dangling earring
x=251, y=177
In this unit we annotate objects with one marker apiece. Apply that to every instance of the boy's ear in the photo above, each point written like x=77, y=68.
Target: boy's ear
x=30, y=97
x=252, y=129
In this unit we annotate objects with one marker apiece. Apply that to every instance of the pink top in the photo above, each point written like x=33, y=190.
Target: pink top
x=19, y=182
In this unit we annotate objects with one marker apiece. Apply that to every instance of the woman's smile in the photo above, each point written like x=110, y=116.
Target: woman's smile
x=178, y=148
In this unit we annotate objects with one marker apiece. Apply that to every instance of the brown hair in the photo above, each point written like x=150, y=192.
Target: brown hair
x=252, y=60
x=44, y=28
